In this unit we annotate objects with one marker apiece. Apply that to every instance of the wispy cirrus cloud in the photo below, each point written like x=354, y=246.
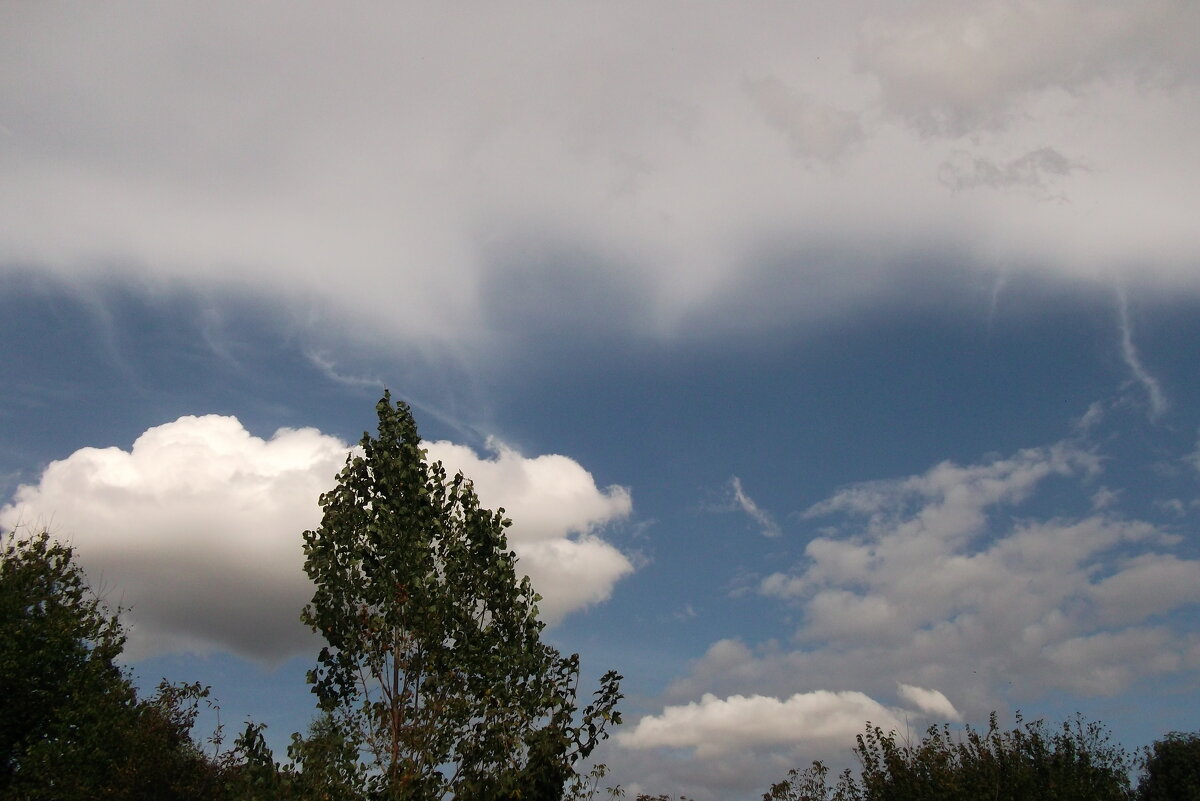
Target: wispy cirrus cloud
x=747, y=505
x=1129, y=353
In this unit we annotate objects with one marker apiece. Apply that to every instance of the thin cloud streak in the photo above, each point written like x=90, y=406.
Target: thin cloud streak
x=756, y=513
x=1129, y=353
x=329, y=369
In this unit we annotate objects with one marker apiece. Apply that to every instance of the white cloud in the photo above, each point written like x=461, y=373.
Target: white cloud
x=942, y=580
x=1154, y=391
x=811, y=722
x=197, y=528
x=814, y=130
x=1091, y=418
x=328, y=166
x=556, y=509
x=1106, y=662
x=1104, y=498
x=546, y=496
x=715, y=725
x=952, y=67
x=927, y=562
x=1149, y=584
x=745, y=503
x=330, y=371
x=951, y=503
x=931, y=702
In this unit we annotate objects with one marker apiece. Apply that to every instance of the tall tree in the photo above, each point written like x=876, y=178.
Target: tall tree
x=434, y=658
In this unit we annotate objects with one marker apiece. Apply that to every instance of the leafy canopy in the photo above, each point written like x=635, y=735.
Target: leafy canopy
x=71, y=724
x=434, y=659
x=1171, y=769
x=1074, y=763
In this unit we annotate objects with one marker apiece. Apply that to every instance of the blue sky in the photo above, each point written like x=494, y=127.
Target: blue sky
x=832, y=364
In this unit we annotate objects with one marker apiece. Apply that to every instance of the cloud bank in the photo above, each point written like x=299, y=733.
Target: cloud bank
x=401, y=170
x=196, y=528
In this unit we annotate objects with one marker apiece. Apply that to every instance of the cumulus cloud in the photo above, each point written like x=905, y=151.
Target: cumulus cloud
x=715, y=725
x=557, y=510
x=813, y=722
x=328, y=166
x=944, y=585
x=546, y=496
x=931, y=702
x=197, y=528
x=928, y=560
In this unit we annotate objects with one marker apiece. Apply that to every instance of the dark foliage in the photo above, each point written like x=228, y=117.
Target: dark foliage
x=71, y=725
x=1171, y=769
x=1076, y=762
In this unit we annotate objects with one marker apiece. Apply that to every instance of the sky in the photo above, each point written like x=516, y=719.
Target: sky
x=835, y=362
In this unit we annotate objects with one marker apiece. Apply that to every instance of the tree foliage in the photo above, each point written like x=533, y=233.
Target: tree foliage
x=1171, y=769
x=71, y=724
x=57, y=645
x=1077, y=762
x=812, y=784
x=434, y=660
